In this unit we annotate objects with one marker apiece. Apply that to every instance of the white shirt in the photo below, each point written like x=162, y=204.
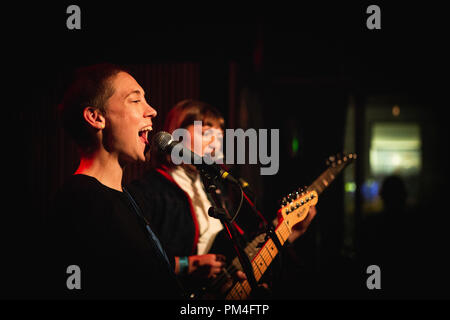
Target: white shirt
x=208, y=227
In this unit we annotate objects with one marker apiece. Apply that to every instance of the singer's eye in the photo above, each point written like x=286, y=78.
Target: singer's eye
x=136, y=101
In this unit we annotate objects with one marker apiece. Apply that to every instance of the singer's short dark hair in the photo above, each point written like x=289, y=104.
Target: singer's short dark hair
x=92, y=86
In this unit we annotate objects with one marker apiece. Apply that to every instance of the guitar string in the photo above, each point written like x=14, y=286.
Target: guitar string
x=251, y=249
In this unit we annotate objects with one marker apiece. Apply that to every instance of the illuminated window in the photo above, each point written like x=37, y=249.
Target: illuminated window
x=395, y=149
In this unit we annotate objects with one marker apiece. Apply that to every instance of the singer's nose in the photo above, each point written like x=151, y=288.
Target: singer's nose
x=150, y=112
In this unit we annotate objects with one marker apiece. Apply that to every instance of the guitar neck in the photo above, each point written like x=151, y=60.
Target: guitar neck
x=324, y=180
x=260, y=262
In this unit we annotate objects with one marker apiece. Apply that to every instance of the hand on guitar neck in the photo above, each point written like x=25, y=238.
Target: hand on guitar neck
x=301, y=227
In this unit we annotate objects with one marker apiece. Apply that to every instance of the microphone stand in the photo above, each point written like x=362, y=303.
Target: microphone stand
x=220, y=213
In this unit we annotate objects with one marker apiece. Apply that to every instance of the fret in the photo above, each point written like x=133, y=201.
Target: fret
x=256, y=271
x=233, y=295
x=283, y=232
x=241, y=290
x=260, y=264
x=280, y=237
x=271, y=248
x=266, y=256
x=247, y=288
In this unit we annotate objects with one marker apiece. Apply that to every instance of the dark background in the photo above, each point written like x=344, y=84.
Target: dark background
x=291, y=68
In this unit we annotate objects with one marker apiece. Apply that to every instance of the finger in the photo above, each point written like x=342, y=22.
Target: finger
x=241, y=275
x=312, y=213
x=217, y=264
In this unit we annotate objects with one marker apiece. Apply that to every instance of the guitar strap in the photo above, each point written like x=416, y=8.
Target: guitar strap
x=154, y=240
x=150, y=232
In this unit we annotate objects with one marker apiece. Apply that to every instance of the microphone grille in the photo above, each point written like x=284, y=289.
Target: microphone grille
x=162, y=140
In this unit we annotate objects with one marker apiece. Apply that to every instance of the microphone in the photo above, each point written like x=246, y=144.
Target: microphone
x=165, y=143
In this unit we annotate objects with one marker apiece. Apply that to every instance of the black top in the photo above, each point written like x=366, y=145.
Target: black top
x=97, y=228
x=167, y=208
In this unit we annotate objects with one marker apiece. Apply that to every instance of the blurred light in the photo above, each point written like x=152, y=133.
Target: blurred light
x=396, y=160
x=395, y=148
x=396, y=111
x=370, y=190
x=350, y=187
x=295, y=145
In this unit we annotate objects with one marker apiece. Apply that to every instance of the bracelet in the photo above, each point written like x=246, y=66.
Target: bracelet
x=183, y=263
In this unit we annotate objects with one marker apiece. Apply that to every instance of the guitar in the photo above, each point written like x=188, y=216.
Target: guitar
x=262, y=250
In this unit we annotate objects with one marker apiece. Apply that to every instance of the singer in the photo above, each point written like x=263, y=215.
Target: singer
x=96, y=224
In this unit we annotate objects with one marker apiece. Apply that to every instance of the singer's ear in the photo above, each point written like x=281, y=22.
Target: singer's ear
x=94, y=117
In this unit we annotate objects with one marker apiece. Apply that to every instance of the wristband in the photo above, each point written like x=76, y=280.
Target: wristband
x=183, y=264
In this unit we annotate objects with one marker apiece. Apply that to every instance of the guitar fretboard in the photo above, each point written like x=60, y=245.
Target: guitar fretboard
x=324, y=180
x=260, y=262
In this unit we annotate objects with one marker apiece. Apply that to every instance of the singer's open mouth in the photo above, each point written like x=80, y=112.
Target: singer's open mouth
x=143, y=134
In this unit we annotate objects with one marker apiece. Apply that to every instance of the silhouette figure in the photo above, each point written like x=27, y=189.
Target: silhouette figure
x=388, y=240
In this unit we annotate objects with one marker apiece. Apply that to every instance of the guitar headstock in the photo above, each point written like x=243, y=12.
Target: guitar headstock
x=340, y=159
x=295, y=206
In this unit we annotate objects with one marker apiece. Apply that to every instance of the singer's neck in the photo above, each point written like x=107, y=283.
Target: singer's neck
x=103, y=166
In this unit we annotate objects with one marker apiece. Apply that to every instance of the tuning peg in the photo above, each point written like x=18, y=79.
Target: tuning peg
x=330, y=160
